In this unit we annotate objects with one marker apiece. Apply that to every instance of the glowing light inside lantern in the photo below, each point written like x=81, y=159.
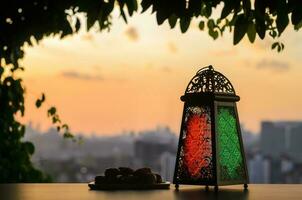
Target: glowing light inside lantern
x=197, y=144
x=230, y=157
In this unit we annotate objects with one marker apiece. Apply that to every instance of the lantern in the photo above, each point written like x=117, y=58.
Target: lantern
x=210, y=150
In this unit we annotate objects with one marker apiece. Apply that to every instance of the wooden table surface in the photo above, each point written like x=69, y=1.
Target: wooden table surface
x=81, y=191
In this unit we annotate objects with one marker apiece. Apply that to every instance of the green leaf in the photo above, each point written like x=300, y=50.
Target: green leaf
x=184, y=24
x=29, y=147
x=22, y=130
x=51, y=111
x=107, y=9
x=146, y=4
x=91, y=19
x=40, y=101
x=1, y=71
x=282, y=46
x=282, y=22
x=213, y=33
x=273, y=33
x=246, y=4
x=135, y=4
x=251, y=32
x=55, y=119
x=296, y=17
x=260, y=28
x=123, y=15
x=68, y=135
x=161, y=16
x=240, y=29
x=298, y=26
x=260, y=7
x=211, y=24
x=227, y=9
x=65, y=126
x=201, y=25
x=172, y=20
x=208, y=11
x=132, y=6
x=282, y=17
x=278, y=45
x=66, y=30
x=279, y=48
x=274, y=45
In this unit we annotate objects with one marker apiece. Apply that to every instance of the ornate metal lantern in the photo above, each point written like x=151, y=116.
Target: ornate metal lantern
x=210, y=150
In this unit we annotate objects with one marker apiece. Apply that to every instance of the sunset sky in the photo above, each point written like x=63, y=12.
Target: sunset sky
x=132, y=77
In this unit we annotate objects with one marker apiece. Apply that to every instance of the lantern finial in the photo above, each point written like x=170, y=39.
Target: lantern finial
x=209, y=80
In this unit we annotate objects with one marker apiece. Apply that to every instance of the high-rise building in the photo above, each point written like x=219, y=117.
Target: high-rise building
x=259, y=168
x=150, y=145
x=167, y=165
x=295, y=141
x=272, y=139
x=282, y=138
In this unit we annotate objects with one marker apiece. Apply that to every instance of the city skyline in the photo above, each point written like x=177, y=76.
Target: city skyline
x=273, y=156
x=132, y=77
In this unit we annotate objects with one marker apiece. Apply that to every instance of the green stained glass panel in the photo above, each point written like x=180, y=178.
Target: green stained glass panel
x=230, y=160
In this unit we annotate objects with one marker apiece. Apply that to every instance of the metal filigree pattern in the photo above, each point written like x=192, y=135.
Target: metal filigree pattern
x=209, y=80
x=195, y=159
x=230, y=157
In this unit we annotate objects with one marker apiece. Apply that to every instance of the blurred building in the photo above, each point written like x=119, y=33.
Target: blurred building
x=282, y=138
x=167, y=165
x=280, y=141
x=259, y=168
x=273, y=156
x=151, y=145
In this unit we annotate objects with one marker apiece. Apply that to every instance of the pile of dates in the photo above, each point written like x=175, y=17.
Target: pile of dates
x=125, y=175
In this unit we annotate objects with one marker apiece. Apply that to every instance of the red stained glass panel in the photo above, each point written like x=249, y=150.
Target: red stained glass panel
x=195, y=159
x=197, y=145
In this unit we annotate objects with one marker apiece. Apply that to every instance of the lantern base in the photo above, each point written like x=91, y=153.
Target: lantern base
x=216, y=188
x=245, y=186
x=176, y=186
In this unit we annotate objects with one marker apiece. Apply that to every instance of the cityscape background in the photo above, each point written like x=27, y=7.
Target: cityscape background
x=274, y=155
x=120, y=84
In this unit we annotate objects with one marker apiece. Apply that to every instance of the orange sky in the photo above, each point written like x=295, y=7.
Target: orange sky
x=132, y=77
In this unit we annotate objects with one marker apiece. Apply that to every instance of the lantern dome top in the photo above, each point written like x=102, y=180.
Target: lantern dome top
x=207, y=80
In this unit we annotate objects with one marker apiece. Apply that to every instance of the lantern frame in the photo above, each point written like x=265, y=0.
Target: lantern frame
x=205, y=95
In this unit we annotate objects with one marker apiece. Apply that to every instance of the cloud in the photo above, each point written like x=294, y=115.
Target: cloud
x=87, y=37
x=81, y=76
x=274, y=65
x=223, y=52
x=132, y=34
x=172, y=47
x=166, y=69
